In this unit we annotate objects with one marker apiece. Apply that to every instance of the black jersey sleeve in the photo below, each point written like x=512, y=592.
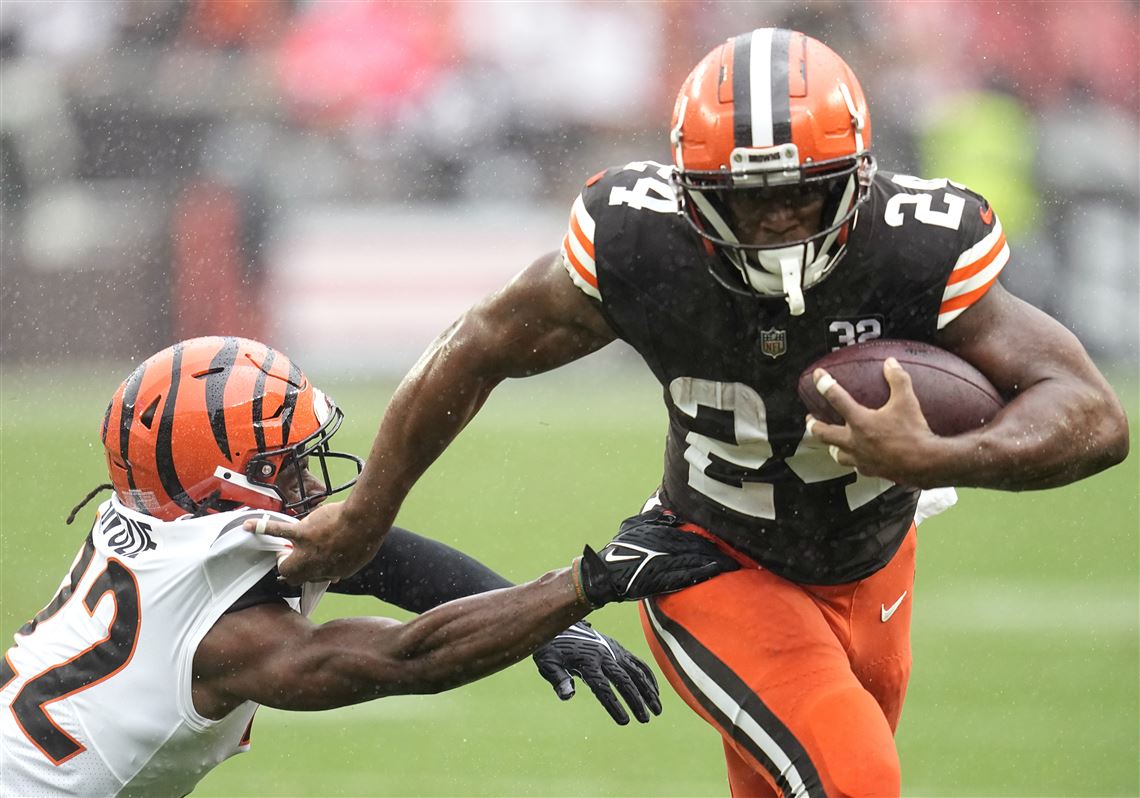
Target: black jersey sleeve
x=985, y=252
x=270, y=589
x=610, y=207
x=954, y=230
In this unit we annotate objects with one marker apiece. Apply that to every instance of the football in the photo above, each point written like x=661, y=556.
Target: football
x=955, y=397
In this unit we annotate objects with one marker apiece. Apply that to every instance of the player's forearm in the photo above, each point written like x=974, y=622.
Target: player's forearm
x=1052, y=434
x=473, y=637
x=432, y=405
x=538, y=322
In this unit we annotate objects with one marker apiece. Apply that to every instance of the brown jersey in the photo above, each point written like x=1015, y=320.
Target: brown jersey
x=737, y=461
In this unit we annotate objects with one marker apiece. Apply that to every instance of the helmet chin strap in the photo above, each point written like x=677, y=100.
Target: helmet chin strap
x=785, y=265
x=790, y=272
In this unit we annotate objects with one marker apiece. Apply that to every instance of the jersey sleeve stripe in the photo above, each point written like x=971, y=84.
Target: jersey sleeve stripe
x=982, y=247
x=975, y=271
x=582, y=277
x=988, y=271
x=963, y=301
x=585, y=220
x=578, y=250
x=967, y=270
x=587, y=242
x=951, y=308
x=579, y=267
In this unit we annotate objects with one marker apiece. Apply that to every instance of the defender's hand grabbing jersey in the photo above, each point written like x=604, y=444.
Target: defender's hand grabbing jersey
x=96, y=695
x=737, y=461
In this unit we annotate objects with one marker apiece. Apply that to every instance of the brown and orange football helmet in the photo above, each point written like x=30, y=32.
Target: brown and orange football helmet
x=772, y=110
x=212, y=424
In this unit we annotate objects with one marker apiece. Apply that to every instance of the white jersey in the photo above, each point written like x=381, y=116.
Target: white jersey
x=96, y=693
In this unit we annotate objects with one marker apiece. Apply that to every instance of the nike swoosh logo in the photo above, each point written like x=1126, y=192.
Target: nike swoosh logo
x=613, y=556
x=886, y=612
x=987, y=214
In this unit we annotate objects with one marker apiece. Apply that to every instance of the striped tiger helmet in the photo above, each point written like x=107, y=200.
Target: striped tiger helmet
x=771, y=114
x=213, y=424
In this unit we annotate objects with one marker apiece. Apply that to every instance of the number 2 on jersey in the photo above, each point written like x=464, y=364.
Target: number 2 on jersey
x=101, y=660
x=751, y=449
x=924, y=212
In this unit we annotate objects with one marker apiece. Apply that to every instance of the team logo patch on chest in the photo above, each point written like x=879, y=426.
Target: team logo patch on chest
x=773, y=342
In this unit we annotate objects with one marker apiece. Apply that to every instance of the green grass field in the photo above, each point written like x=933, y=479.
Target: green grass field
x=1027, y=673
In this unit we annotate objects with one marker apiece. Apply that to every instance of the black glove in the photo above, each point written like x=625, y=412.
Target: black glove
x=599, y=660
x=649, y=556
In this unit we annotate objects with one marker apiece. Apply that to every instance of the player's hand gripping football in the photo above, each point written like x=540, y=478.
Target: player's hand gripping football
x=892, y=442
x=599, y=661
x=649, y=555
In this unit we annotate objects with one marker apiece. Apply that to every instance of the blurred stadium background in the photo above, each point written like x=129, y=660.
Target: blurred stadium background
x=341, y=179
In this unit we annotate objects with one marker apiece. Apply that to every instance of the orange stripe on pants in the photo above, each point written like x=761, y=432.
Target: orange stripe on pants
x=804, y=683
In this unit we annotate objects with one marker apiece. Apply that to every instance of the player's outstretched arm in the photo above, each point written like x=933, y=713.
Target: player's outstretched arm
x=537, y=322
x=274, y=656
x=417, y=573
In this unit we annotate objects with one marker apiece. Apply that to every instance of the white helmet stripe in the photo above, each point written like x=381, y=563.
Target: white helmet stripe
x=760, y=86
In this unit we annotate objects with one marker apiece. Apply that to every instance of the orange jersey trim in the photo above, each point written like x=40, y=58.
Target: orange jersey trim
x=583, y=272
x=967, y=299
x=969, y=270
x=583, y=239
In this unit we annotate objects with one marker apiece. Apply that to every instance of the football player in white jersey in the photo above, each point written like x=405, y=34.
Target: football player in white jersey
x=172, y=627
x=772, y=239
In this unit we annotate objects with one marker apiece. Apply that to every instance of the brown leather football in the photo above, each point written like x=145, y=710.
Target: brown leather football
x=955, y=397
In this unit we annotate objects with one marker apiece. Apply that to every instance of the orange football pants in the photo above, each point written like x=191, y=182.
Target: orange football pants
x=804, y=683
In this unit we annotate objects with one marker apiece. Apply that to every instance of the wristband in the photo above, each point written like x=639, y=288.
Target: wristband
x=576, y=577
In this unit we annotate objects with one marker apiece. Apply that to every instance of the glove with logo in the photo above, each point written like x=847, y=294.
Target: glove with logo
x=650, y=555
x=599, y=661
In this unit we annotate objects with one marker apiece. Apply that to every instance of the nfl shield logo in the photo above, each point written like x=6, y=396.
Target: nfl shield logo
x=773, y=342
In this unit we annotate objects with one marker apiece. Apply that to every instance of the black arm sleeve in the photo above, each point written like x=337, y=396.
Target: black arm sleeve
x=416, y=573
x=268, y=590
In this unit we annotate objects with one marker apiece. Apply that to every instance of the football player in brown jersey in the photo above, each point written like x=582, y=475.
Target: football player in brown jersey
x=770, y=240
